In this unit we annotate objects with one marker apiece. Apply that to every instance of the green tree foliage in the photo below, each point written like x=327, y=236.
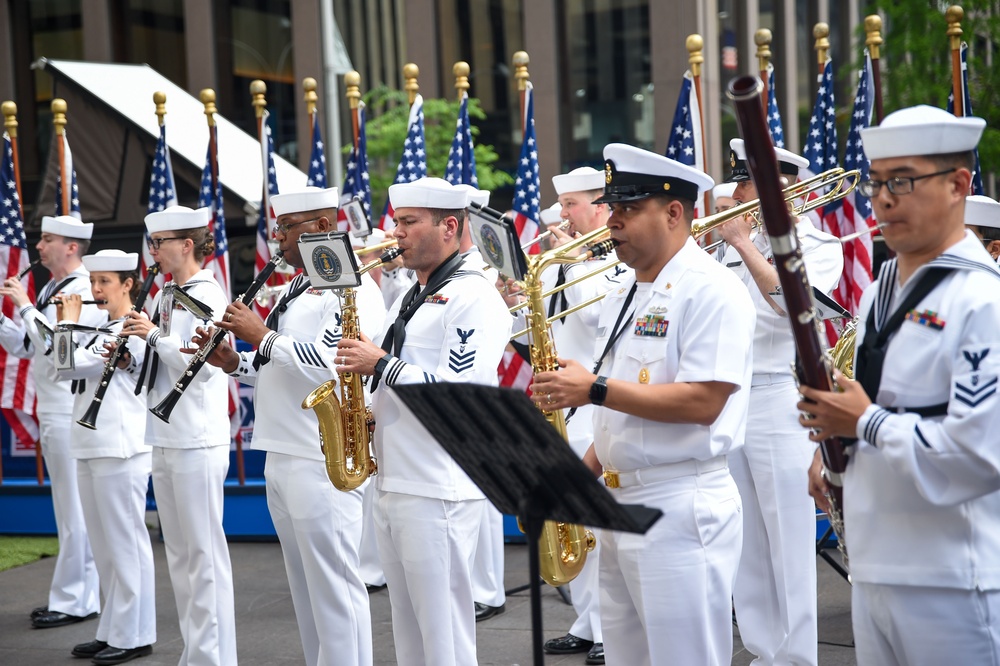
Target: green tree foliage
x=916, y=61
x=388, y=112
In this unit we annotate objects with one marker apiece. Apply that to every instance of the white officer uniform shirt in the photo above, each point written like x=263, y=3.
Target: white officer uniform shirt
x=921, y=500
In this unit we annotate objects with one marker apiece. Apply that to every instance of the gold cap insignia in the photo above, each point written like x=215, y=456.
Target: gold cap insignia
x=732, y=159
x=666, y=187
x=607, y=173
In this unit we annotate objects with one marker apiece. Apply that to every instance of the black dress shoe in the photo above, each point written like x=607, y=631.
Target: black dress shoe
x=50, y=619
x=596, y=654
x=484, y=612
x=568, y=644
x=35, y=612
x=88, y=650
x=113, y=655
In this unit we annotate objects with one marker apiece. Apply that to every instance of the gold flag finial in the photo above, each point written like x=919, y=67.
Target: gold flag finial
x=694, y=44
x=410, y=74
x=59, y=115
x=521, y=61
x=821, y=31
x=762, y=38
x=309, y=85
x=258, y=91
x=10, y=118
x=873, y=34
x=461, y=71
x=207, y=97
x=954, y=15
x=160, y=100
x=353, y=82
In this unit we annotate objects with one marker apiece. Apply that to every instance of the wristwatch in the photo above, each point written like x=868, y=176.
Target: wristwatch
x=381, y=365
x=599, y=391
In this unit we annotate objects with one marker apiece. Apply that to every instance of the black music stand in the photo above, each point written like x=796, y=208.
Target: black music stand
x=521, y=464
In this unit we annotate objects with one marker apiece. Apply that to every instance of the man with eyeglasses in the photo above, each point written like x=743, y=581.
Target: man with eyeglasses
x=922, y=486
x=775, y=591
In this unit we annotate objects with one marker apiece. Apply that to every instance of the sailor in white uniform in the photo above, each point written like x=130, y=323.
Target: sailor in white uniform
x=318, y=525
x=673, y=352
x=74, y=594
x=451, y=326
x=113, y=464
x=982, y=217
x=922, y=486
x=191, y=452
x=775, y=594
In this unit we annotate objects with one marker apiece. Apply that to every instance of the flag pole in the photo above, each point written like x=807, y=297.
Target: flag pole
x=521, y=75
x=160, y=100
x=461, y=72
x=694, y=44
x=954, y=15
x=821, y=31
x=59, y=122
x=762, y=38
x=873, y=40
x=410, y=74
x=10, y=124
x=311, y=97
x=352, y=80
x=258, y=91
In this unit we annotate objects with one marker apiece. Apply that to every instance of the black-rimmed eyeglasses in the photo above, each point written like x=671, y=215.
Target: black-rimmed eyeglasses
x=284, y=227
x=898, y=185
x=155, y=243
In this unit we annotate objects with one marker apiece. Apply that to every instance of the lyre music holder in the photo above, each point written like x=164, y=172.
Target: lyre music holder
x=521, y=464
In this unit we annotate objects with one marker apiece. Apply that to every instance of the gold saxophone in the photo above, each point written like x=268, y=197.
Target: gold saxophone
x=563, y=547
x=344, y=434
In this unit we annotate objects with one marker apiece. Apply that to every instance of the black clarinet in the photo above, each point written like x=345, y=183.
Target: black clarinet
x=89, y=419
x=162, y=410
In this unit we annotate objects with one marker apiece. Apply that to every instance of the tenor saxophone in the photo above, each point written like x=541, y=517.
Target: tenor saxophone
x=563, y=547
x=343, y=423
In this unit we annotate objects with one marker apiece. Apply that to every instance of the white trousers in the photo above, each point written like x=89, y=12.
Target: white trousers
x=665, y=595
x=775, y=594
x=113, y=493
x=320, y=528
x=488, y=564
x=75, y=588
x=188, y=484
x=371, y=566
x=426, y=546
x=902, y=625
x=585, y=591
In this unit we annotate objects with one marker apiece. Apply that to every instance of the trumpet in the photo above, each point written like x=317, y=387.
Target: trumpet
x=268, y=293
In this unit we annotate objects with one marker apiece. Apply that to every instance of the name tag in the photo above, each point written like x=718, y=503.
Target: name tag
x=651, y=325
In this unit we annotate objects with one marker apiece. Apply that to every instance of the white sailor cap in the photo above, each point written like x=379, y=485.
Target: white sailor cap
x=727, y=189
x=583, y=179
x=921, y=130
x=428, y=193
x=553, y=214
x=788, y=162
x=982, y=211
x=67, y=226
x=479, y=197
x=631, y=174
x=111, y=260
x=305, y=200
x=178, y=218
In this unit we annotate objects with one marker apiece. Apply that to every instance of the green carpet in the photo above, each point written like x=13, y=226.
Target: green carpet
x=15, y=551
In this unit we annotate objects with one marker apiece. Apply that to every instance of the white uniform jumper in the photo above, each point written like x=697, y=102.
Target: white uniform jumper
x=665, y=595
x=318, y=525
x=573, y=337
x=75, y=588
x=190, y=462
x=775, y=595
x=428, y=511
x=922, y=493
x=113, y=465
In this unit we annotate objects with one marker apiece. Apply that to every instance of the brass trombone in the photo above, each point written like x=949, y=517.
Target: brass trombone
x=376, y=248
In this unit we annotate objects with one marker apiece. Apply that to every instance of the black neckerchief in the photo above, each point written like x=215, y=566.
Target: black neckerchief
x=557, y=302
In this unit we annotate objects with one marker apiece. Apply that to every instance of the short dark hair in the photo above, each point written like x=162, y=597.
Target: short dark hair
x=687, y=203
x=133, y=293
x=438, y=214
x=963, y=160
x=82, y=245
x=988, y=233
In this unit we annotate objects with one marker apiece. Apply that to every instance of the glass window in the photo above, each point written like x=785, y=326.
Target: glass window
x=154, y=34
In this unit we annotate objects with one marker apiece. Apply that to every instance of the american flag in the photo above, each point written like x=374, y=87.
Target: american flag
x=977, y=178
x=74, y=199
x=821, y=142
x=356, y=180
x=265, y=216
x=413, y=164
x=162, y=195
x=684, y=145
x=17, y=387
x=773, y=115
x=317, y=158
x=854, y=212
x=461, y=168
x=527, y=186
